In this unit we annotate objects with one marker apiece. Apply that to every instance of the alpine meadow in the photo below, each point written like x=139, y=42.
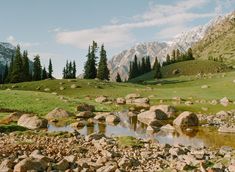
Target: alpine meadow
x=117, y=86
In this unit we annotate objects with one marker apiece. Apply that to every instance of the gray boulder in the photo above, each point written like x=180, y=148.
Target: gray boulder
x=32, y=122
x=58, y=113
x=186, y=119
x=111, y=119
x=30, y=164
x=85, y=114
x=167, y=109
x=148, y=116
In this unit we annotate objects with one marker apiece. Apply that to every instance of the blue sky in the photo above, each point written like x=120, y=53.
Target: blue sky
x=62, y=30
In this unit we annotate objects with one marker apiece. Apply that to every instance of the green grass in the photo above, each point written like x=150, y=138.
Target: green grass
x=192, y=67
x=25, y=97
x=11, y=128
x=129, y=141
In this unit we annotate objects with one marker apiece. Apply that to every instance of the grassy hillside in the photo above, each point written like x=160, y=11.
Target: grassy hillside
x=193, y=67
x=219, y=42
x=29, y=98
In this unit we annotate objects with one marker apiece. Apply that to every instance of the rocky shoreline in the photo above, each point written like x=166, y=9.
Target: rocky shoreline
x=96, y=152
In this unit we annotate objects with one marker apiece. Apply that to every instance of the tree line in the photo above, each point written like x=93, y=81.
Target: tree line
x=91, y=69
x=69, y=71
x=177, y=56
x=144, y=66
x=20, y=69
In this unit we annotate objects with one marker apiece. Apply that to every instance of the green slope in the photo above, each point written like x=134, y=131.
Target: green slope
x=192, y=67
x=219, y=42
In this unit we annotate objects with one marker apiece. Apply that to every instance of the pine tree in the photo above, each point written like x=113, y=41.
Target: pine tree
x=143, y=66
x=64, y=73
x=25, y=68
x=70, y=70
x=37, y=68
x=131, y=75
x=177, y=55
x=5, y=74
x=74, y=69
x=158, y=73
x=118, y=78
x=155, y=64
x=148, y=64
x=168, y=59
x=50, y=69
x=90, y=66
x=1, y=78
x=190, y=54
x=17, y=74
x=135, y=67
x=173, y=56
x=103, y=71
x=44, y=73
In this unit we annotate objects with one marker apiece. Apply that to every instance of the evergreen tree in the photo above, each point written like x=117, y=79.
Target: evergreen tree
x=37, y=68
x=64, y=73
x=50, y=69
x=131, y=74
x=158, y=73
x=1, y=78
x=135, y=67
x=177, y=54
x=103, y=71
x=143, y=66
x=25, y=67
x=74, y=69
x=190, y=54
x=148, y=64
x=17, y=74
x=70, y=70
x=5, y=74
x=44, y=73
x=155, y=64
x=118, y=78
x=168, y=59
x=173, y=56
x=90, y=66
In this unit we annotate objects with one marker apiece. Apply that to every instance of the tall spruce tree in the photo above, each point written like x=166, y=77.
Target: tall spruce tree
x=155, y=64
x=90, y=66
x=118, y=78
x=74, y=70
x=5, y=74
x=143, y=66
x=25, y=68
x=17, y=74
x=37, y=69
x=135, y=67
x=103, y=71
x=44, y=73
x=158, y=73
x=50, y=69
x=190, y=54
x=148, y=64
x=131, y=74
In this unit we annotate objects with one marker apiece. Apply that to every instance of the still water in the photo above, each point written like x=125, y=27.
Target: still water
x=130, y=126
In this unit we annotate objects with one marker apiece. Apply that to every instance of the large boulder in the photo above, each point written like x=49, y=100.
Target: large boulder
x=132, y=96
x=15, y=116
x=186, y=119
x=30, y=164
x=112, y=119
x=85, y=107
x=32, y=122
x=58, y=113
x=120, y=101
x=101, y=116
x=148, y=116
x=224, y=101
x=7, y=165
x=101, y=99
x=85, y=114
x=167, y=109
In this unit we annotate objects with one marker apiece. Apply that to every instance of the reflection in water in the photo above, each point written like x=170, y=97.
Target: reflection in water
x=130, y=126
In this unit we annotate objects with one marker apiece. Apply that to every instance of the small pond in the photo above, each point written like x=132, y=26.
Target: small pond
x=130, y=126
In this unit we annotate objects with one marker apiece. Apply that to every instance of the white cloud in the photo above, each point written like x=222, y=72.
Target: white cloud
x=171, y=32
x=110, y=36
x=119, y=35
x=11, y=39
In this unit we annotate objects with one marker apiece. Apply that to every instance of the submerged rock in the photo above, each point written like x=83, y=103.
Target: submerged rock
x=186, y=119
x=32, y=122
x=58, y=113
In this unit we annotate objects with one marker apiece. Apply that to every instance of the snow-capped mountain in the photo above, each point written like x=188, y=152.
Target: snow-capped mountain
x=120, y=62
x=7, y=50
